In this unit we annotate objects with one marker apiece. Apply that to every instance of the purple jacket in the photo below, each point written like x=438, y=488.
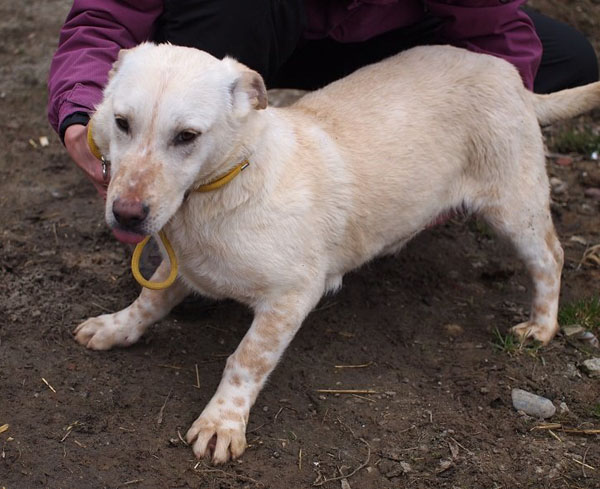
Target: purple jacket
x=94, y=32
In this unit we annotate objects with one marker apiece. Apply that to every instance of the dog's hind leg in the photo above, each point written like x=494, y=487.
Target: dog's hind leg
x=125, y=327
x=522, y=214
x=221, y=428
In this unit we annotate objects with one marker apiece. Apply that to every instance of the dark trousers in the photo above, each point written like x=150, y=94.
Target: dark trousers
x=266, y=35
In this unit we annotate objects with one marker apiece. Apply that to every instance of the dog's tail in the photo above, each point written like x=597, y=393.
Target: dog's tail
x=566, y=103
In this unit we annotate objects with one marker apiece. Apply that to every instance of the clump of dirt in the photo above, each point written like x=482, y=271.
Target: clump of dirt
x=426, y=331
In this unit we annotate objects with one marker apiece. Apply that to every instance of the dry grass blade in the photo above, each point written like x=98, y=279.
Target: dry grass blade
x=591, y=256
x=562, y=429
x=362, y=365
x=4, y=427
x=159, y=420
x=49, y=386
x=346, y=391
x=583, y=464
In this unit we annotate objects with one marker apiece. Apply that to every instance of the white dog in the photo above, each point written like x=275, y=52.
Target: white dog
x=347, y=173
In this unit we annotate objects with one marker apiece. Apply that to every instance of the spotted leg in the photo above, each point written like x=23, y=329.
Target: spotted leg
x=125, y=327
x=221, y=428
x=528, y=224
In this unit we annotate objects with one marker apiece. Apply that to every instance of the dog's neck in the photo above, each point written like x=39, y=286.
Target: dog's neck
x=255, y=144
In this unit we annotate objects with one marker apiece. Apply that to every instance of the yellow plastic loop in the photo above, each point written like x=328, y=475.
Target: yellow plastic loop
x=135, y=264
x=92, y=144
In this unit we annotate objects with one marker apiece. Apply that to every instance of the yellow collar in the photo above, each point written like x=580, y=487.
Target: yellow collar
x=225, y=179
x=137, y=253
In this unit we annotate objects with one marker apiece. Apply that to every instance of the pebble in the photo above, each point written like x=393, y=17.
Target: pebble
x=571, y=371
x=592, y=192
x=591, y=366
x=558, y=186
x=564, y=160
x=563, y=408
x=586, y=210
x=532, y=404
x=454, y=330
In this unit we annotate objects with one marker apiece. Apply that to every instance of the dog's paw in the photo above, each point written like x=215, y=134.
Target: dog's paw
x=105, y=332
x=528, y=330
x=221, y=432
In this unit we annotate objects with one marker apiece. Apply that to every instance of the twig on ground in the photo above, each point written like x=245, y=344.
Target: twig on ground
x=347, y=476
x=181, y=438
x=232, y=475
x=197, y=386
x=562, y=429
x=583, y=464
x=159, y=420
x=555, y=435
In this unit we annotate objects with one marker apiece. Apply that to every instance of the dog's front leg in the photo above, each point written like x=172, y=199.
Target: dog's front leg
x=125, y=327
x=221, y=428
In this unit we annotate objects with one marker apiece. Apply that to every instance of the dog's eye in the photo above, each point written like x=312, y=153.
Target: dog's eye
x=122, y=124
x=186, y=137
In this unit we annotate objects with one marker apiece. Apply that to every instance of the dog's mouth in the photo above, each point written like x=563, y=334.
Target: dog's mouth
x=124, y=236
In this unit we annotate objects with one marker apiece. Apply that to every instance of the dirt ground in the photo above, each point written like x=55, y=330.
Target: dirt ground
x=421, y=326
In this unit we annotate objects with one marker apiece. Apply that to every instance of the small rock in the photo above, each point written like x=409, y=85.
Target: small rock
x=454, y=330
x=591, y=367
x=444, y=465
x=532, y=404
x=345, y=484
x=578, y=239
x=564, y=160
x=558, y=186
x=572, y=371
x=406, y=467
x=484, y=390
x=572, y=329
x=586, y=210
x=563, y=408
x=592, y=192
x=594, y=155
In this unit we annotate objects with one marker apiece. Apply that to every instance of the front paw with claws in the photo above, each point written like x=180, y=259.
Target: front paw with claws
x=219, y=431
x=105, y=332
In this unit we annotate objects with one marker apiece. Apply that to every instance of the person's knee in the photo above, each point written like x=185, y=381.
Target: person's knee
x=568, y=58
x=584, y=62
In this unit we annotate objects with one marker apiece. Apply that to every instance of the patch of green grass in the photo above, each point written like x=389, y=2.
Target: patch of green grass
x=576, y=141
x=585, y=312
x=511, y=345
x=596, y=411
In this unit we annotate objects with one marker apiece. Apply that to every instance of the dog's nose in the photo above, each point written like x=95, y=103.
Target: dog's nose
x=129, y=213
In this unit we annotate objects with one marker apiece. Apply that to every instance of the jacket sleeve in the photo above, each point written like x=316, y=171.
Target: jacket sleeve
x=89, y=43
x=496, y=27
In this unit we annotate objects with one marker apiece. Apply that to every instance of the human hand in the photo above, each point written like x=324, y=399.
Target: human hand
x=77, y=147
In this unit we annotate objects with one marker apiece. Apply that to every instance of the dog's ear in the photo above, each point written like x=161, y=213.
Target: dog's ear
x=117, y=63
x=248, y=89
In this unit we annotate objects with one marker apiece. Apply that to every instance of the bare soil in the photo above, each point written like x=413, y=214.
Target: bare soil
x=421, y=325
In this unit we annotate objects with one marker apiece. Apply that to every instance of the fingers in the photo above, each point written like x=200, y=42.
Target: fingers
x=77, y=147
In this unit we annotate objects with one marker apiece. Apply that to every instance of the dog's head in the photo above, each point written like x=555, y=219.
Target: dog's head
x=170, y=115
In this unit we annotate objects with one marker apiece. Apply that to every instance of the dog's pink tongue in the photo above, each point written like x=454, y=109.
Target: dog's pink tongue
x=127, y=236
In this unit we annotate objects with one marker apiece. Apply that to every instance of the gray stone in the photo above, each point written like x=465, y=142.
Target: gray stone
x=591, y=366
x=532, y=404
